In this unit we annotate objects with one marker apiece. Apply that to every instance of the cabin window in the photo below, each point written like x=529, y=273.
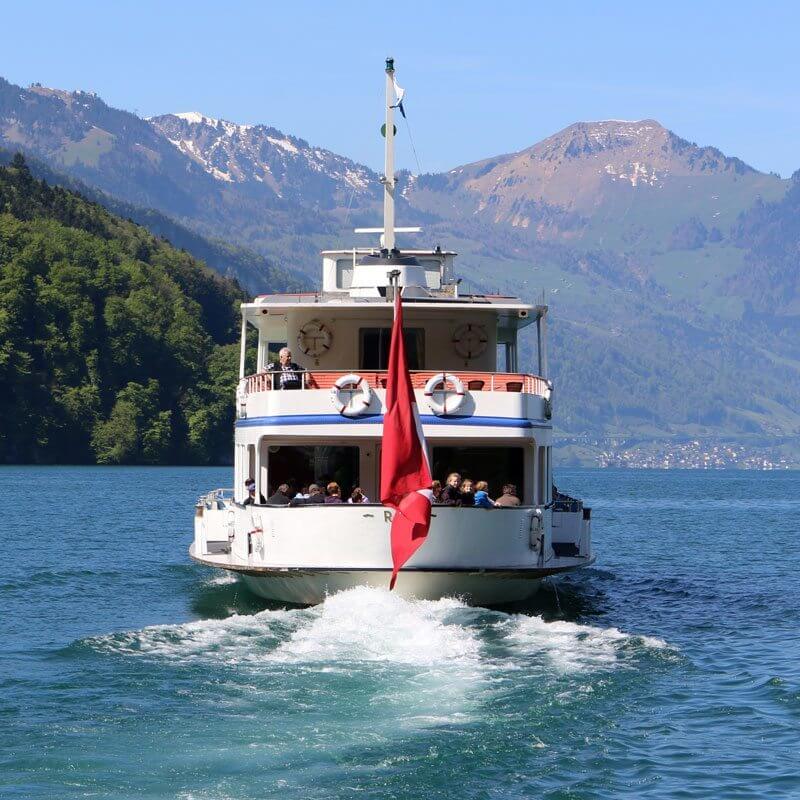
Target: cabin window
x=344, y=273
x=496, y=465
x=374, y=347
x=300, y=465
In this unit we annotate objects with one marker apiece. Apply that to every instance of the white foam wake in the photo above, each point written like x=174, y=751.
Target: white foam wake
x=365, y=626
x=571, y=647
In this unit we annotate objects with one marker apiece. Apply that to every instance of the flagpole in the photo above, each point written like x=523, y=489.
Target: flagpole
x=388, y=168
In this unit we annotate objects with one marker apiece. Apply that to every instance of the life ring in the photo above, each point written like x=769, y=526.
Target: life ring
x=548, y=400
x=359, y=399
x=452, y=400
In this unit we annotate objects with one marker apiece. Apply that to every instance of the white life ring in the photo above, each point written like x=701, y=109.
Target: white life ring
x=452, y=400
x=359, y=399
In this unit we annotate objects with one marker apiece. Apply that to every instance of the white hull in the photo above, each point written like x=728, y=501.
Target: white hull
x=302, y=555
x=475, y=588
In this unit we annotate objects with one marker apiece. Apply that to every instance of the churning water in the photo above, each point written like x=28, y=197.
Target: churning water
x=671, y=669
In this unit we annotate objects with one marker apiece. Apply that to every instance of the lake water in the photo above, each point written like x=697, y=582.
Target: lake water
x=669, y=670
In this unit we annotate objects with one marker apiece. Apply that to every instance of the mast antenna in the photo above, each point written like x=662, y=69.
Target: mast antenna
x=388, y=179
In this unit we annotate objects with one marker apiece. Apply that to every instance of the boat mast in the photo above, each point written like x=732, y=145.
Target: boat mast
x=388, y=179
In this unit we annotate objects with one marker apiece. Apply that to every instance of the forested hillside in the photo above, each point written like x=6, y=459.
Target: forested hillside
x=114, y=346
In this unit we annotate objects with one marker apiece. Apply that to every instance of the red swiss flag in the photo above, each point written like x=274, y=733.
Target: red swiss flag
x=405, y=472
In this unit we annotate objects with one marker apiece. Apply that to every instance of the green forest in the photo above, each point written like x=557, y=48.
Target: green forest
x=115, y=347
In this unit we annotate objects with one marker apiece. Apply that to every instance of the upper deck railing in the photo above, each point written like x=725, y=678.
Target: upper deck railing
x=473, y=381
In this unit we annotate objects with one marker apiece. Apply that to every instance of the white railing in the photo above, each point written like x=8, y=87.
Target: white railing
x=473, y=381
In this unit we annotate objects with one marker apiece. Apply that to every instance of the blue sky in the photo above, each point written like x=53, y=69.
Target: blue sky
x=481, y=78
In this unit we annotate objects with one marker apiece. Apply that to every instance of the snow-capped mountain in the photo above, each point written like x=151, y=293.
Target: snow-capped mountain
x=290, y=166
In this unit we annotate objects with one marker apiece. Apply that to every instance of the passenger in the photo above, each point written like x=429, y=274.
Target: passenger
x=482, y=499
x=315, y=496
x=436, y=491
x=467, y=492
x=358, y=496
x=451, y=496
x=509, y=497
x=302, y=494
x=250, y=485
x=281, y=496
x=334, y=493
x=286, y=374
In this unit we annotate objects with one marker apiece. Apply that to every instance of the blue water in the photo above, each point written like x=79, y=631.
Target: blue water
x=669, y=670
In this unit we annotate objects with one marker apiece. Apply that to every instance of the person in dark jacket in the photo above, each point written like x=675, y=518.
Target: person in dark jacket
x=334, y=493
x=250, y=485
x=315, y=497
x=281, y=497
x=467, y=492
x=451, y=496
x=286, y=374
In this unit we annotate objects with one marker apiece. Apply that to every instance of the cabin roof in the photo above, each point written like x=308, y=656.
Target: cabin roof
x=508, y=309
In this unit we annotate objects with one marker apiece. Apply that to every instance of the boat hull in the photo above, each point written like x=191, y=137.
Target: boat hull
x=475, y=588
x=302, y=555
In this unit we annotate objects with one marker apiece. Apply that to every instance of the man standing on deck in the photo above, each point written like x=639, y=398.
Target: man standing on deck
x=287, y=374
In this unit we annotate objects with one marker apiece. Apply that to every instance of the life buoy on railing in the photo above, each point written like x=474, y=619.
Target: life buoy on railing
x=360, y=395
x=548, y=400
x=452, y=400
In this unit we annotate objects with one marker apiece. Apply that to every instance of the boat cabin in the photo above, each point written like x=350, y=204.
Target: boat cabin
x=481, y=416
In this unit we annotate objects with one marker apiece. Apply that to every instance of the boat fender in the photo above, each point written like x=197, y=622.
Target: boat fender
x=452, y=400
x=548, y=400
x=360, y=395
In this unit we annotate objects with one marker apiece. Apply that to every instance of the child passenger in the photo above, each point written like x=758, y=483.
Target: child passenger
x=482, y=499
x=451, y=496
x=467, y=492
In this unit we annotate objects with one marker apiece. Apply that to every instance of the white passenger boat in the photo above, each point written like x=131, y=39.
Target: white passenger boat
x=481, y=417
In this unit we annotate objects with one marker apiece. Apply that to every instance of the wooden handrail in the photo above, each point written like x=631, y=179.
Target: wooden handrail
x=473, y=381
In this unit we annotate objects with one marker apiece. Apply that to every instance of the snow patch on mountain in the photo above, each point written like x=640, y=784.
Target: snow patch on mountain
x=263, y=155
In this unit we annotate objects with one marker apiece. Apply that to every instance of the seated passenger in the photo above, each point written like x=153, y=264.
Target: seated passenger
x=358, y=496
x=302, y=493
x=315, y=496
x=281, y=496
x=334, y=493
x=451, y=496
x=436, y=491
x=509, y=497
x=286, y=374
x=482, y=499
x=467, y=492
x=250, y=485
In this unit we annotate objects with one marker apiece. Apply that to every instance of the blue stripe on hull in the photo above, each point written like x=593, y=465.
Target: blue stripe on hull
x=377, y=419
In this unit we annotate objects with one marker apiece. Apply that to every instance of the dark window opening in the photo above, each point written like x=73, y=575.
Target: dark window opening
x=496, y=465
x=300, y=465
x=375, y=347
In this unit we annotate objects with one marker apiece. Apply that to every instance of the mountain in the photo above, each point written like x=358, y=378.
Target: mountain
x=228, y=259
x=263, y=156
x=132, y=160
x=670, y=267
x=114, y=346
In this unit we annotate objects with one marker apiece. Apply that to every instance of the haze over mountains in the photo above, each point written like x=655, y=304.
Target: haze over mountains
x=672, y=269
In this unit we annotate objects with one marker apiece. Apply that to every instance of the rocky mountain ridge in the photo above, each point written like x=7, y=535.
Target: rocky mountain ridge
x=290, y=166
